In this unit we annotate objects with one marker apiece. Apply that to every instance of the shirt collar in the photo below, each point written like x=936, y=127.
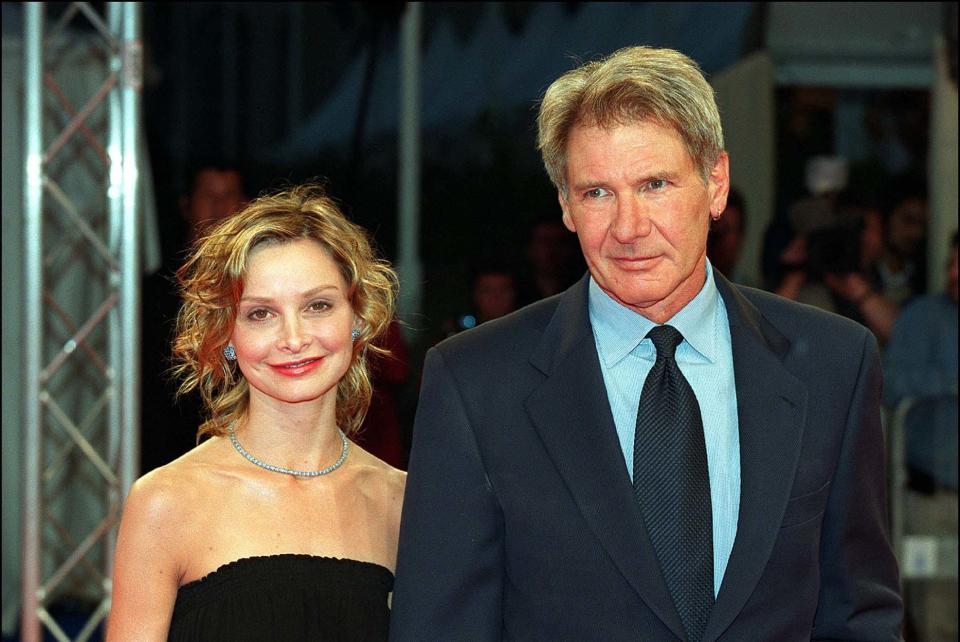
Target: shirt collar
x=619, y=330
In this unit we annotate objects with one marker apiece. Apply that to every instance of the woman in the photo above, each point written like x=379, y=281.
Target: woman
x=277, y=526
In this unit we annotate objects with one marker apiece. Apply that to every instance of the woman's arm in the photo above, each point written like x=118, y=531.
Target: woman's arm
x=145, y=573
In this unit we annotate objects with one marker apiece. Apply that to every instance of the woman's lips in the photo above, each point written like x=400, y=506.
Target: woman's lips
x=297, y=368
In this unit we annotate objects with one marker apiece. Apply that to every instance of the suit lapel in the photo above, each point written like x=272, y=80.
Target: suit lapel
x=771, y=405
x=572, y=415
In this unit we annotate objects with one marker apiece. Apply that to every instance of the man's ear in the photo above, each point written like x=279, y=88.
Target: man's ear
x=565, y=208
x=718, y=182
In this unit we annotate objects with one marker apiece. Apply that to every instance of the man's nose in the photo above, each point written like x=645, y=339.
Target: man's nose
x=632, y=220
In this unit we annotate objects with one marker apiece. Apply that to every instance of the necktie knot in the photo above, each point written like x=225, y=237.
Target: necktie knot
x=665, y=339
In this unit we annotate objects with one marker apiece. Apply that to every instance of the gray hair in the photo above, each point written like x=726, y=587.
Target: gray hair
x=631, y=85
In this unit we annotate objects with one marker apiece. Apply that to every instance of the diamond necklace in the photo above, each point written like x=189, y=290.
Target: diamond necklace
x=287, y=471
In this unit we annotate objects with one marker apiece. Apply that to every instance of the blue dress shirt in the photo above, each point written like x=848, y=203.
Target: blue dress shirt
x=706, y=359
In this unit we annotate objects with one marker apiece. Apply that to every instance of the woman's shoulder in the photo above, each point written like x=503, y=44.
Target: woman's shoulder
x=164, y=516
x=177, y=487
x=379, y=477
x=374, y=465
x=382, y=486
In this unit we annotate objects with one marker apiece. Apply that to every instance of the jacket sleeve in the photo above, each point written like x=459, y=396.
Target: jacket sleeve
x=860, y=585
x=450, y=557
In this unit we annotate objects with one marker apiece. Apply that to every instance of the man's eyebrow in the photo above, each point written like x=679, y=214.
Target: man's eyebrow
x=589, y=183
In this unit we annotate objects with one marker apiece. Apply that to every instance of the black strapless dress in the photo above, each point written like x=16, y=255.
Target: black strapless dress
x=285, y=597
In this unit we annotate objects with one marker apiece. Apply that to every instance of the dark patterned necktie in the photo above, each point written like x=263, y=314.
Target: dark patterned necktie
x=672, y=486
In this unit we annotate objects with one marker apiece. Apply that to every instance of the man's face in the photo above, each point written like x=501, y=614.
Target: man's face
x=908, y=227
x=494, y=295
x=641, y=211
x=216, y=195
x=550, y=248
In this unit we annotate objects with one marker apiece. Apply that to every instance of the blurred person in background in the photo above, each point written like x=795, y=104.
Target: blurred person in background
x=216, y=192
x=725, y=240
x=833, y=259
x=801, y=279
x=554, y=262
x=902, y=268
x=858, y=287
x=382, y=432
x=216, y=189
x=493, y=294
x=920, y=365
x=792, y=276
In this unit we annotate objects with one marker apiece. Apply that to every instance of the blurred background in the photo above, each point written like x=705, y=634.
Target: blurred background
x=840, y=119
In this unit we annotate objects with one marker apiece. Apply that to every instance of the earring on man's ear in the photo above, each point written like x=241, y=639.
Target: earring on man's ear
x=355, y=334
x=229, y=353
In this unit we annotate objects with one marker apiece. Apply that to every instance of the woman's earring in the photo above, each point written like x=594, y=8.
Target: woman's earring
x=229, y=353
x=355, y=334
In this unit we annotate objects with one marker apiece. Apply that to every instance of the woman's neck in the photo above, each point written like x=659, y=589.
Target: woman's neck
x=300, y=438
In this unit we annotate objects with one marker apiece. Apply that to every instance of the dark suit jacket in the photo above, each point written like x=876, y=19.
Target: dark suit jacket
x=520, y=521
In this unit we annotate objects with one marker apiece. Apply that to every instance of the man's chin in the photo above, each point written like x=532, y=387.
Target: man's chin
x=636, y=299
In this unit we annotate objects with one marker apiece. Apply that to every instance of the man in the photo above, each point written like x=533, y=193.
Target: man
x=216, y=192
x=725, y=240
x=169, y=425
x=538, y=505
x=903, y=265
x=494, y=291
x=920, y=367
x=554, y=262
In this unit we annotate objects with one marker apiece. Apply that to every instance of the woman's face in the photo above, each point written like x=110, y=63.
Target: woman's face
x=293, y=325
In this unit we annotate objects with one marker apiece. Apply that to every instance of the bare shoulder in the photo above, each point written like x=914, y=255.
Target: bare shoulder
x=395, y=482
x=157, y=496
x=154, y=547
x=150, y=532
x=165, y=496
x=379, y=478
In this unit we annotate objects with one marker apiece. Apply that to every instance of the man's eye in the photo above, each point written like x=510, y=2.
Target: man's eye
x=657, y=183
x=596, y=192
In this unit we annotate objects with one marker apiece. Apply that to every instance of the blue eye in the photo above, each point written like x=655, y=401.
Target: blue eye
x=657, y=183
x=596, y=192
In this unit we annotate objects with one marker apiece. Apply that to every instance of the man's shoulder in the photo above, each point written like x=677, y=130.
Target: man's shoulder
x=926, y=316
x=793, y=319
x=928, y=305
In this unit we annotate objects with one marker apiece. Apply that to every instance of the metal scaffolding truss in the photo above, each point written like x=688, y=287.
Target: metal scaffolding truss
x=81, y=314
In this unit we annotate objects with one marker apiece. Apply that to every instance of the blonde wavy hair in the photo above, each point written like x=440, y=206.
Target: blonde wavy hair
x=631, y=85
x=211, y=284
